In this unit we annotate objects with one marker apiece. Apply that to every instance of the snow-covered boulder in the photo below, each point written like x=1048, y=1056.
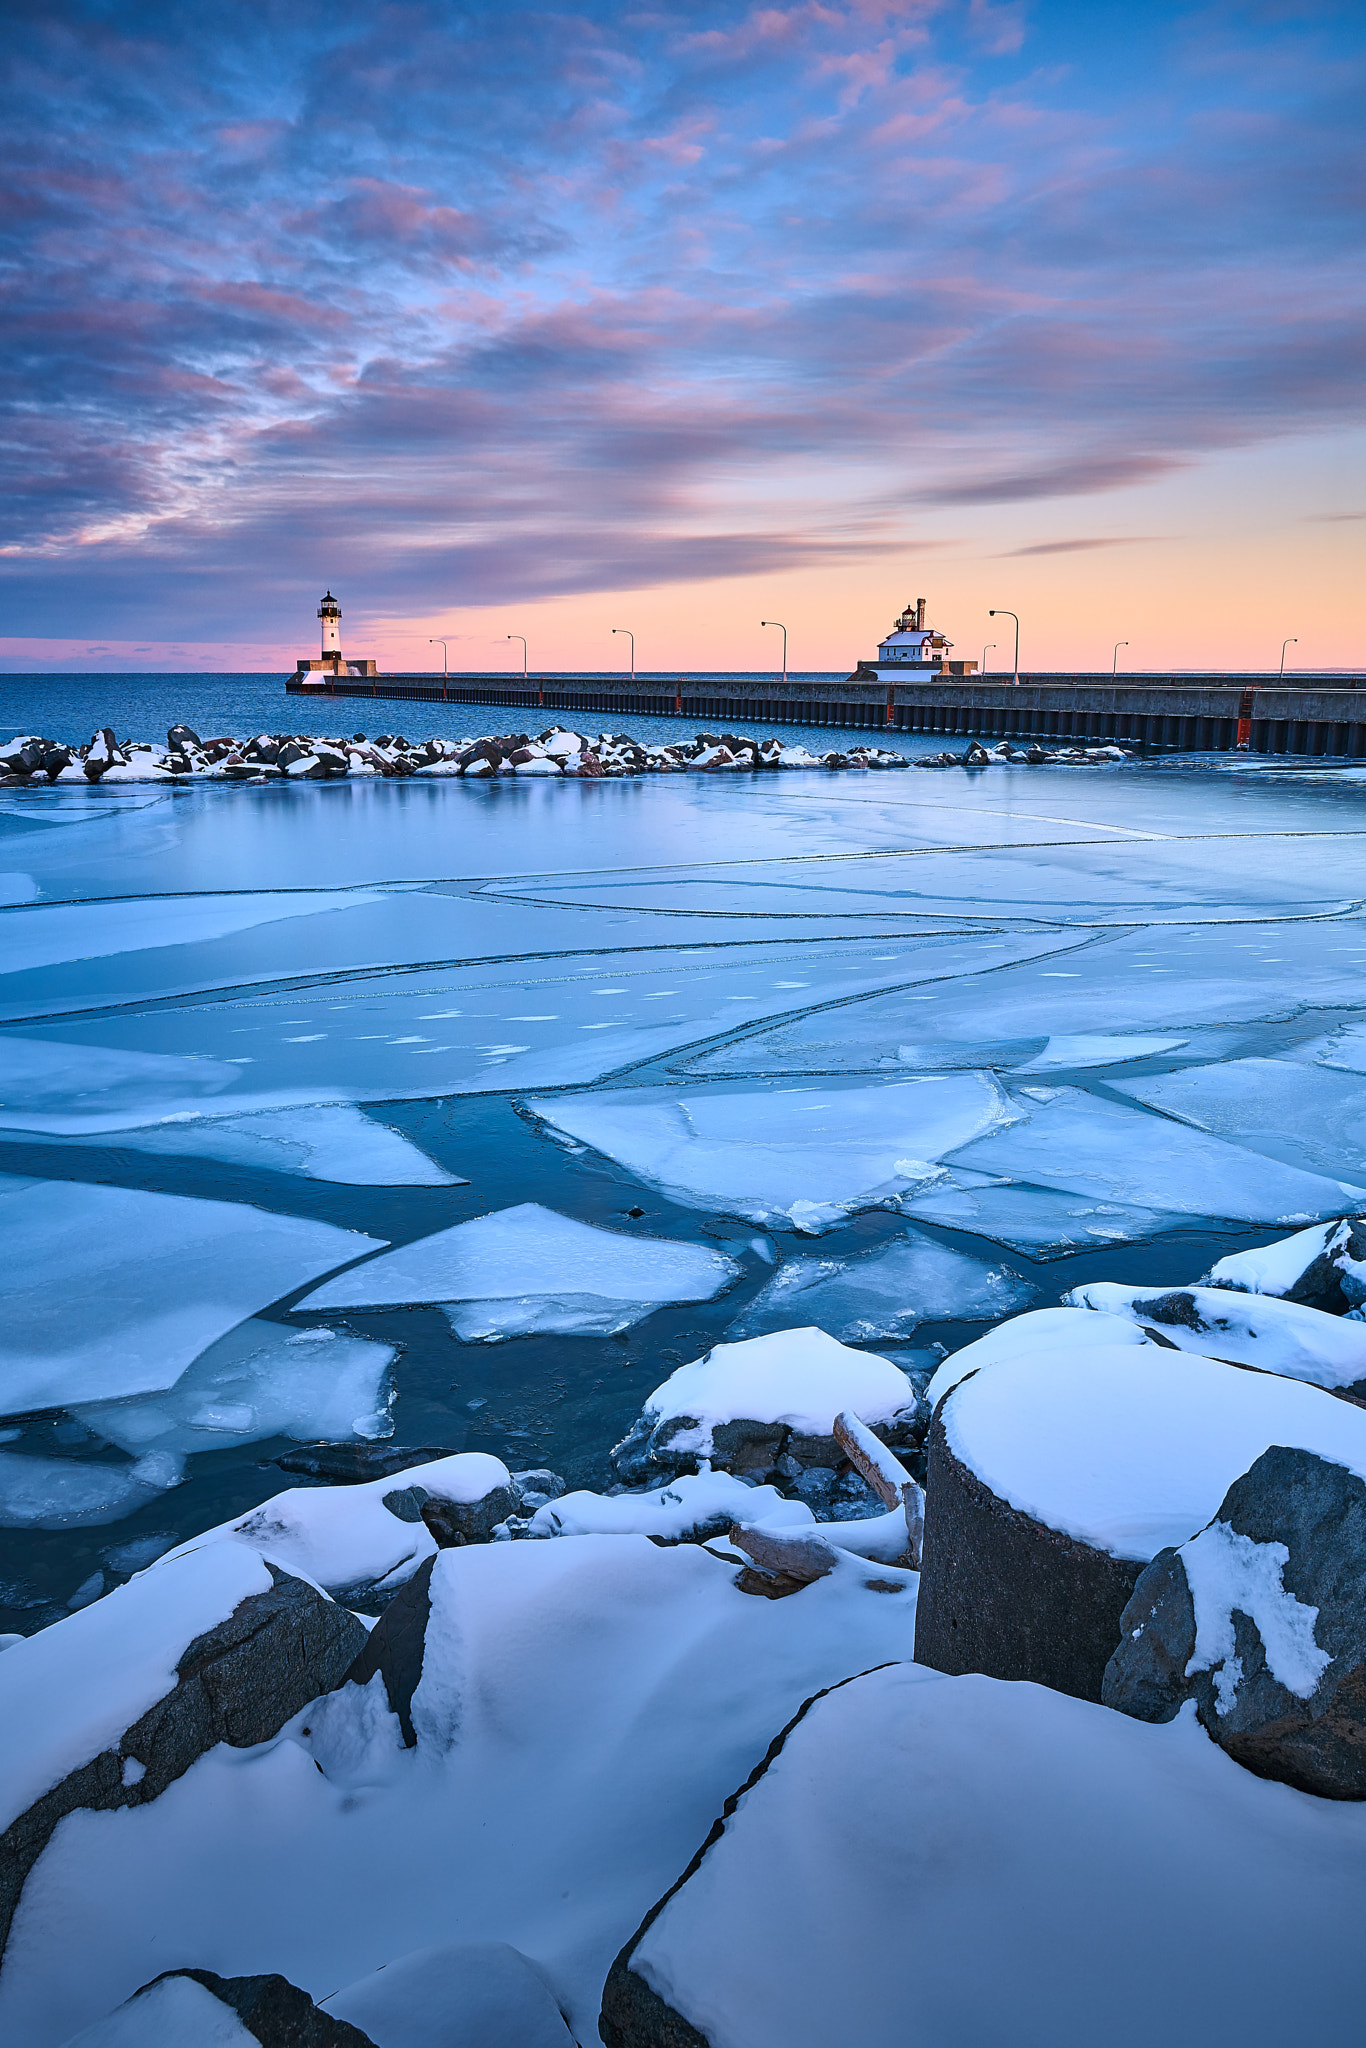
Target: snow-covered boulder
x=749, y=1407
x=1039, y=1332
x=689, y=1508
x=472, y=1994
x=110, y=1706
x=183, y=2007
x=1261, y=1620
x=921, y=1859
x=1323, y=1267
x=1054, y=1479
x=1248, y=1329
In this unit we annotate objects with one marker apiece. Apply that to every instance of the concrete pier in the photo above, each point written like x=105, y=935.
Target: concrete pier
x=1262, y=714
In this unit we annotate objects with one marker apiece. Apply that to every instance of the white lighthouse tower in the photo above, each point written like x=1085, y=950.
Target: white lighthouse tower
x=329, y=611
x=330, y=663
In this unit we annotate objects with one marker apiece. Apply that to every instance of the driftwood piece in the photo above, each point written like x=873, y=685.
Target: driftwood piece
x=791, y=1553
x=886, y=1474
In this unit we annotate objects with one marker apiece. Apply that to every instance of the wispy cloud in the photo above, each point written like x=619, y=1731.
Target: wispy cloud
x=1072, y=547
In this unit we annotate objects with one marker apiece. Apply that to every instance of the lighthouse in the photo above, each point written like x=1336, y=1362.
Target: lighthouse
x=330, y=662
x=329, y=611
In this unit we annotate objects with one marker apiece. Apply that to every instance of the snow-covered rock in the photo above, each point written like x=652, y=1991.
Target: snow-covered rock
x=1040, y=1332
x=529, y=1268
x=470, y=1994
x=885, y=1292
x=1053, y=1479
x=694, y=1505
x=747, y=1406
x=1323, y=1267
x=199, y=2009
x=962, y=1862
x=107, y=1708
x=1261, y=1620
x=1250, y=1329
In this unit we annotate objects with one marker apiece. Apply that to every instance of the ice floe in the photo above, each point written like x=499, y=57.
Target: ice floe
x=71, y=1493
x=259, y=1381
x=801, y=1158
x=1307, y=1116
x=1040, y=1221
x=109, y=1292
x=1078, y=1143
x=46, y=934
x=1095, y=1049
x=886, y=1292
x=528, y=1268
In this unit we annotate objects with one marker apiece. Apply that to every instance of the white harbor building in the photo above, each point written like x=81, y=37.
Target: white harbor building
x=331, y=662
x=912, y=652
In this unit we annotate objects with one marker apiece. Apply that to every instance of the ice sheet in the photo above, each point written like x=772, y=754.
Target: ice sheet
x=906, y=1813
x=530, y=1269
x=1087, y=1146
x=1095, y=1049
x=45, y=934
x=326, y=1141
x=261, y=1380
x=882, y=1293
x=801, y=1158
x=109, y=1292
x=1040, y=1221
x=1133, y=1448
x=1301, y=1114
x=67, y=1493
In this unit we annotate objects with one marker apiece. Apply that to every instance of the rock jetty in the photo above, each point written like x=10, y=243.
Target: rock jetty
x=33, y=761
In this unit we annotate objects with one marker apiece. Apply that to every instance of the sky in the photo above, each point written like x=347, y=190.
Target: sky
x=544, y=321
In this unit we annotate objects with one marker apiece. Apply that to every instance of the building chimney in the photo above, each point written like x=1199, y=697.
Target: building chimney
x=920, y=615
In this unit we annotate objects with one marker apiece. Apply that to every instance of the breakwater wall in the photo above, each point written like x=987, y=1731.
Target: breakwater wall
x=1160, y=714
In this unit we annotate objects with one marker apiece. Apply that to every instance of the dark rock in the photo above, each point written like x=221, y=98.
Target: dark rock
x=238, y=1683
x=289, y=753
x=1005, y=1595
x=395, y=1647
x=272, y=2009
x=359, y=1461
x=406, y=1502
x=180, y=739
x=453, y=1522
x=752, y=1450
x=1316, y=1511
x=54, y=760
x=1327, y=1281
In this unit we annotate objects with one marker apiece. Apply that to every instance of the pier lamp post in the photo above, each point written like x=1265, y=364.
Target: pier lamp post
x=1293, y=641
x=783, y=630
x=985, y=652
x=1114, y=665
x=522, y=638
x=445, y=655
x=632, y=638
x=1003, y=614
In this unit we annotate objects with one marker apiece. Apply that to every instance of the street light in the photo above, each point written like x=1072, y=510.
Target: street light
x=522, y=638
x=1114, y=665
x=985, y=652
x=445, y=655
x=1293, y=641
x=783, y=630
x=1002, y=614
x=632, y=638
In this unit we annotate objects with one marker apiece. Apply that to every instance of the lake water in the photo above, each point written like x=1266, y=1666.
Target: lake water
x=626, y=1002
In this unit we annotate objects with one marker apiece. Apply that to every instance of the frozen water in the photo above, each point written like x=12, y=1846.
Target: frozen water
x=528, y=1268
x=1095, y=1049
x=1040, y=1221
x=70, y=1493
x=883, y=1293
x=1083, y=1145
x=259, y=1381
x=1345, y=1047
x=801, y=1158
x=57, y=1086
x=1306, y=1116
x=329, y=1141
x=109, y=1292
x=45, y=934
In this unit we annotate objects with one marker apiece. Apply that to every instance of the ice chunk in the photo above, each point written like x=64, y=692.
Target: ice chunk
x=58, y=1086
x=885, y=1292
x=331, y=1141
x=1040, y=1221
x=109, y=1292
x=695, y=1503
x=1303, y=1115
x=48, y=934
x=801, y=1378
x=260, y=1380
x=1082, y=1144
x=802, y=1157
x=1095, y=1049
x=529, y=1268
x=1041, y=1332
x=70, y=1493
x=1248, y=1329
x=1345, y=1047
